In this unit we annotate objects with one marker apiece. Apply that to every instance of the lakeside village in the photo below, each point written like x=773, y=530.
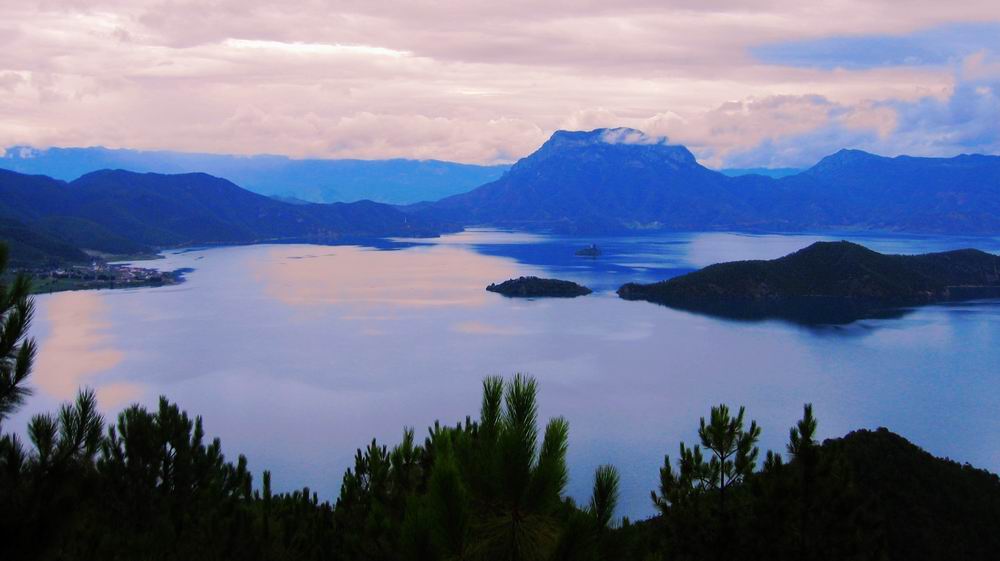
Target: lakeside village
x=98, y=275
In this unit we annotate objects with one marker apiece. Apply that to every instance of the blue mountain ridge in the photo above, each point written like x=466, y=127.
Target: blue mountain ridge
x=580, y=182
x=594, y=182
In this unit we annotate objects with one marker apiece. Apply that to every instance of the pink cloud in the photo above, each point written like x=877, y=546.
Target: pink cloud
x=466, y=81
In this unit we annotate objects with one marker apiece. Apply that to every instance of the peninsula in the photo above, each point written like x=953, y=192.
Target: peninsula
x=827, y=282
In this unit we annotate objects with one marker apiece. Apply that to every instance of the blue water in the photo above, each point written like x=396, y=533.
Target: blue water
x=296, y=355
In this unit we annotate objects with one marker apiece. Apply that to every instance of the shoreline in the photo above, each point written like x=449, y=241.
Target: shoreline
x=107, y=277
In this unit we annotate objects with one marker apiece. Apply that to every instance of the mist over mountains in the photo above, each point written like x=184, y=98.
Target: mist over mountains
x=316, y=180
x=600, y=182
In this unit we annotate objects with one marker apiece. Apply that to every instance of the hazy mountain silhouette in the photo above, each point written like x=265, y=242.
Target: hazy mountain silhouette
x=394, y=181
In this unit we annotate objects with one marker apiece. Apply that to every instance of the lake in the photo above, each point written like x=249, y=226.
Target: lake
x=296, y=355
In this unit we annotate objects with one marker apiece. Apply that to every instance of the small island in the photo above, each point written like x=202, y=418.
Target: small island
x=534, y=287
x=827, y=282
x=590, y=251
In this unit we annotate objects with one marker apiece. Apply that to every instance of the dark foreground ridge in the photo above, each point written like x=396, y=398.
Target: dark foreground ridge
x=827, y=282
x=534, y=287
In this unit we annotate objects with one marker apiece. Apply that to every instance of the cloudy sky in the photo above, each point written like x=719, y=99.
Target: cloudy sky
x=766, y=83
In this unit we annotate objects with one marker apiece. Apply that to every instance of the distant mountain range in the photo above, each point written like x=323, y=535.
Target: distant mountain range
x=121, y=212
x=599, y=182
x=313, y=180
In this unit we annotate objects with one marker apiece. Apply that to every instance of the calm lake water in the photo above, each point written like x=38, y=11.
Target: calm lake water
x=296, y=355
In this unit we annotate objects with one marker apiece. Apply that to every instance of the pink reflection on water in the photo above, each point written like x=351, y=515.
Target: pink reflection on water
x=77, y=349
x=116, y=394
x=481, y=236
x=366, y=279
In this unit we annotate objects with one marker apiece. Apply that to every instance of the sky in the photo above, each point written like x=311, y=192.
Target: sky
x=771, y=83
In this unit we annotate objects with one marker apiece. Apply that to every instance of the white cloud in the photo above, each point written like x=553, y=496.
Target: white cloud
x=623, y=135
x=306, y=49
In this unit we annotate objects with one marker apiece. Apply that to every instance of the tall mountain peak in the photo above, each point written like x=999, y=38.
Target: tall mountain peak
x=620, y=144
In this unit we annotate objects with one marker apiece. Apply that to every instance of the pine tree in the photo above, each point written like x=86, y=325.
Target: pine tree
x=17, y=351
x=520, y=483
x=731, y=459
x=805, y=455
